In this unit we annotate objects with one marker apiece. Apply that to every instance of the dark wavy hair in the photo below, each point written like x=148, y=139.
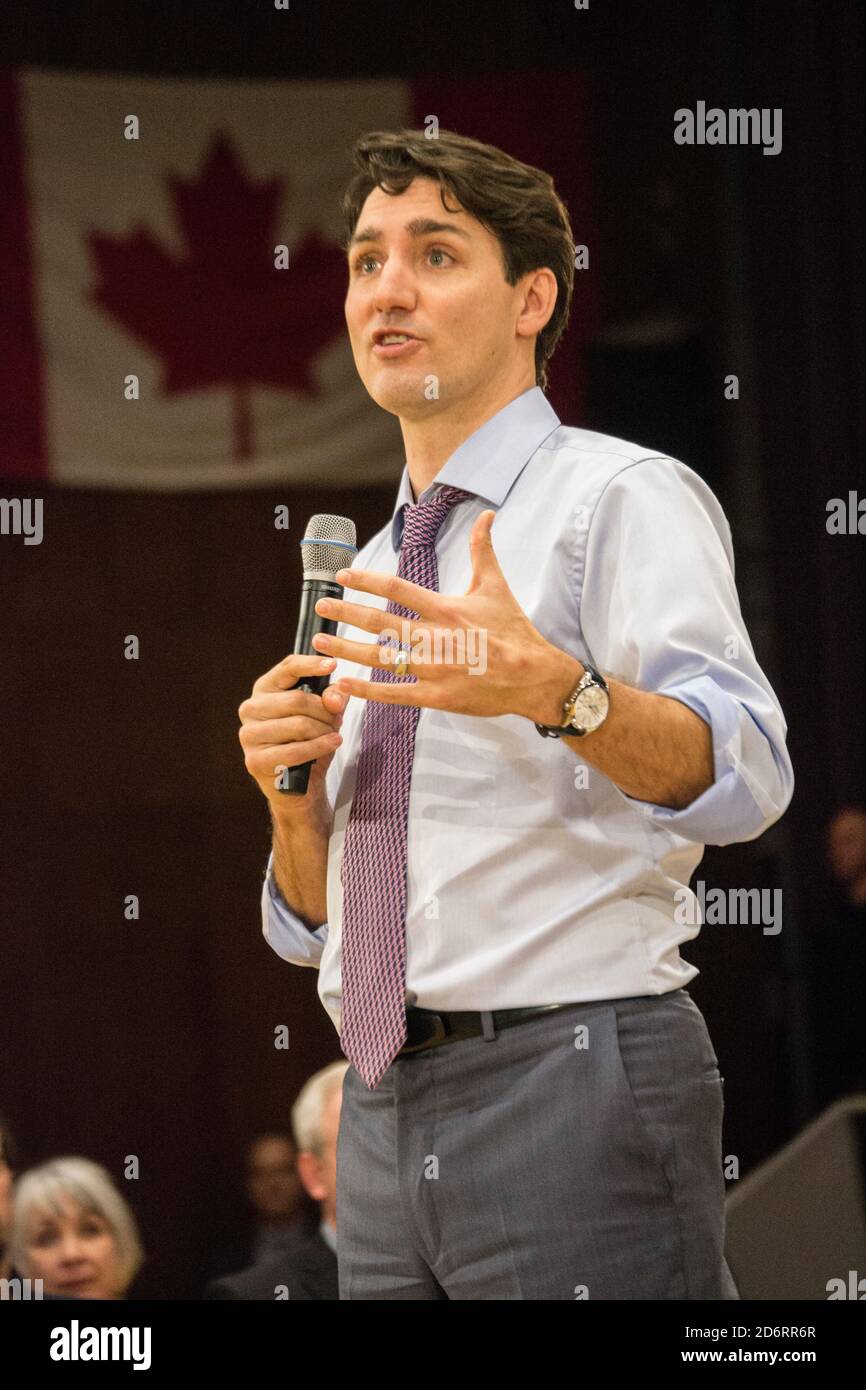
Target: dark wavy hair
x=516, y=202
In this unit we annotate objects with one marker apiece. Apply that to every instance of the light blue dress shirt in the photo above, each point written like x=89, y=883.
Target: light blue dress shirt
x=532, y=878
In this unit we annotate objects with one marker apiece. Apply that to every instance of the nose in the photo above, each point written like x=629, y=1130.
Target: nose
x=395, y=287
x=71, y=1250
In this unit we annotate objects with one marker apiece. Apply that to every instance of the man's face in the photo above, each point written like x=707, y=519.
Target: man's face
x=445, y=287
x=272, y=1178
x=846, y=845
x=319, y=1171
x=330, y=1131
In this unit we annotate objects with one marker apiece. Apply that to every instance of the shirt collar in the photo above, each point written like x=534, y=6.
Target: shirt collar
x=328, y=1234
x=488, y=462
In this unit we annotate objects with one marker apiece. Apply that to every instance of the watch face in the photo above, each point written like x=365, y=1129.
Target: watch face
x=590, y=708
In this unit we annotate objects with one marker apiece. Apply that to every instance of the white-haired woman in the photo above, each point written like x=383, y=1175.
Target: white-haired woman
x=73, y=1229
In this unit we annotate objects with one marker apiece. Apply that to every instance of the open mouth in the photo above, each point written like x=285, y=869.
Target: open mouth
x=395, y=344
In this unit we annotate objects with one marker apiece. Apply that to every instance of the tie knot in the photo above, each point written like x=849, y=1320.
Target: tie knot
x=421, y=522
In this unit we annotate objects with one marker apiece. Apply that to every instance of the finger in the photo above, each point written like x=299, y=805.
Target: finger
x=392, y=692
x=267, y=762
x=278, y=733
x=484, y=561
x=334, y=699
x=383, y=654
x=360, y=615
x=281, y=704
x=365, y=653
x=290, y=670
x=425, y=602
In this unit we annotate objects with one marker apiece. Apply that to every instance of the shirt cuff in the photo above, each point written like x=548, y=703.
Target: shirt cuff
x=284, y=931
x=753, y=775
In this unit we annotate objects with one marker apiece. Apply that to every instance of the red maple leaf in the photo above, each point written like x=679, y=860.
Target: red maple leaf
x=223, y=314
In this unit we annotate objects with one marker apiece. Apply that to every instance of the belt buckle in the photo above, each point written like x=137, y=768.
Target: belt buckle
x=432, y=1030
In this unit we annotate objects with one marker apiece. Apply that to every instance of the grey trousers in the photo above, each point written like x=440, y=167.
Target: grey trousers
x=577, y=1155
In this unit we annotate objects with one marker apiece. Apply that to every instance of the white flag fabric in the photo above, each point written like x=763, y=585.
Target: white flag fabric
x=150, y=337
x=154, y=258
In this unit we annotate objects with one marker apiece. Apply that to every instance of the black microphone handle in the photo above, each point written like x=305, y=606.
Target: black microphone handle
x=295, y=780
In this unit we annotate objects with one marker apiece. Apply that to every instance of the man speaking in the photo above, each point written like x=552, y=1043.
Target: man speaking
x=562, y=708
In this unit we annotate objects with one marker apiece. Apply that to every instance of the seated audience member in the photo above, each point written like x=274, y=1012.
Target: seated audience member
x=839, y=970
x=308, y=1273
x=73, y=1229
x=279, y=1215
x=7, y=1166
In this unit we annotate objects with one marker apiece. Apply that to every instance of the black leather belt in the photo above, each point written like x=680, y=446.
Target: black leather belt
x=428, y=1028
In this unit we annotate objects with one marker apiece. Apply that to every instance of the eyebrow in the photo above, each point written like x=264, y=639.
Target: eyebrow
x=421, y=226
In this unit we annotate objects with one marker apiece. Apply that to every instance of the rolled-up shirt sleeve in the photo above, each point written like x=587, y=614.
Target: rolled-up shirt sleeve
x=284, y=932
x=660, y=610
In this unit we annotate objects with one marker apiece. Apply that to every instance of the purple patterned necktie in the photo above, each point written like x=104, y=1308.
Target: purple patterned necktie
x=373, y=868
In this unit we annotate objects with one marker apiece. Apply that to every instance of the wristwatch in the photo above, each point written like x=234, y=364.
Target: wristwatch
x=585, y=709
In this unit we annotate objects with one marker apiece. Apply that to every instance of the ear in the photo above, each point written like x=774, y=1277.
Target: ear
x=310, y=1173
x=539, y=301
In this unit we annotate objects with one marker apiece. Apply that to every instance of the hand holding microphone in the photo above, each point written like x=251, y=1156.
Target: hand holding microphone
x=291, y=720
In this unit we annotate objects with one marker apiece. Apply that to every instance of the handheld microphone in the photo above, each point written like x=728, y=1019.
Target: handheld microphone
x=329, y=545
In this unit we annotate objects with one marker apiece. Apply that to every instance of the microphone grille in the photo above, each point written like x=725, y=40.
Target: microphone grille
x=329, y=544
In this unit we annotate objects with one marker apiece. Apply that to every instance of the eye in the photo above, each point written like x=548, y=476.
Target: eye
x=365, y=257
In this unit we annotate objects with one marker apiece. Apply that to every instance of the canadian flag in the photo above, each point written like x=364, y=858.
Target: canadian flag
x=152, y=333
